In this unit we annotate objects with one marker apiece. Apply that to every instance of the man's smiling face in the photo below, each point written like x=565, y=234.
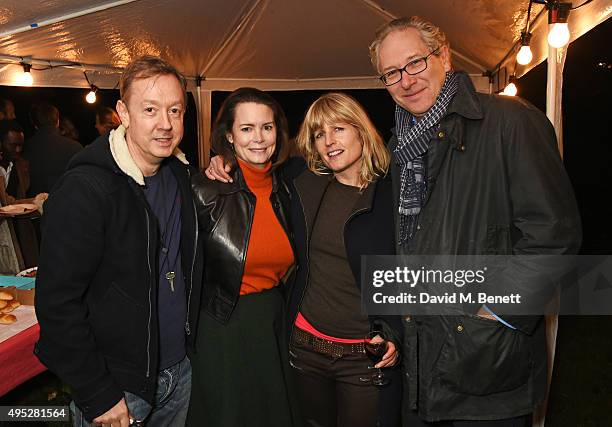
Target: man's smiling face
x=417, y=93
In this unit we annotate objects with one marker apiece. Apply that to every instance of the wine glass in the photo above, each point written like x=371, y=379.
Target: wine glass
x=375, y=344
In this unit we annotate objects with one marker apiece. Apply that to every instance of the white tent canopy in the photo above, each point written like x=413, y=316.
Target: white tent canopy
x=269, y=44
x=273, y=44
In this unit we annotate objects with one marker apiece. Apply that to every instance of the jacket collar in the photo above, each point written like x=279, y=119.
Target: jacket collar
x=465, y=102
x=123, y=158
x=311, y=189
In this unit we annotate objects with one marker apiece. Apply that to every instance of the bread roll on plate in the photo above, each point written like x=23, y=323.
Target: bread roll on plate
x=5, y=296
x=7, y=319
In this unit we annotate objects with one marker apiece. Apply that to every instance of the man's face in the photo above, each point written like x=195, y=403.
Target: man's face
x=8, y=113
x=153, y=118
x=12, y=146
x=418, y=93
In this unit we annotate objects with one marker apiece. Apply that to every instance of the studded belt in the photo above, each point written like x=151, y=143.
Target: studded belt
x=323, y=346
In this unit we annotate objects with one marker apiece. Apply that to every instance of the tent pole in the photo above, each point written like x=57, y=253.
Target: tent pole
x=54, y=20
x=203, y=104
x=554, y=87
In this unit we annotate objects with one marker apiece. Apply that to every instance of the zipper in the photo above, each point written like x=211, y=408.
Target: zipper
x=150, y=289
x=195, y=248
x=252, y=203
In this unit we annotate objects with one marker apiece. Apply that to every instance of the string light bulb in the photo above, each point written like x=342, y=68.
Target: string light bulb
x=524, y=55
x=510, y=89
x=25, y=78
x=558, y=31
x=91, y=95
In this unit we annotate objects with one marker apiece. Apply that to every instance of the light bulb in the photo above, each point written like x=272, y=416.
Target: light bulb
x=524, y=55
x=510, y=90
x=91, y=97
x=25, y=78
x=558, y=34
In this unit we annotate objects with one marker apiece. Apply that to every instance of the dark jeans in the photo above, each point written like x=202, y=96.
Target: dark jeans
x=413, y=420
x=171, y=400
x=334, y=392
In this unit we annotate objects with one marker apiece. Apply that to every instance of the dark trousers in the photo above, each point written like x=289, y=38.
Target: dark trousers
x=334, y=392
x=413, y=420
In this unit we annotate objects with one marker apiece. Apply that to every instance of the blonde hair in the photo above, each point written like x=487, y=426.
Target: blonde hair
x=432, y=36
x=337, y=107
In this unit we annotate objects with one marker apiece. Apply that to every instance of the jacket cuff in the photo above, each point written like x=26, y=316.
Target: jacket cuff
x=99, y=403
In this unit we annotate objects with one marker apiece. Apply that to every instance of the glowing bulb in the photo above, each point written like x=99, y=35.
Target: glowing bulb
x=558, y=34
x=510, y=90
x=91, y=97
x=25, y=78
x=524, y=55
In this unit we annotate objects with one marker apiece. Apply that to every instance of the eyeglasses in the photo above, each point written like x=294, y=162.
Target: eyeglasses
x=416, y=66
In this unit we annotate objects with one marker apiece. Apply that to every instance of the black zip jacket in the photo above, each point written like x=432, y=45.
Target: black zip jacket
x=96, y=290
x=225, y=215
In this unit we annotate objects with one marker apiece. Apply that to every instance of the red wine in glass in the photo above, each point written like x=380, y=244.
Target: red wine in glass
x=375, y=346
x=375, y=350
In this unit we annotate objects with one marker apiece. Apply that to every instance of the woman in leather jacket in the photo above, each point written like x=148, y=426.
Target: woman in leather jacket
x=240, y=365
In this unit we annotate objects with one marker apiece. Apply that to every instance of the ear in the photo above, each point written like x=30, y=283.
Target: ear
x=446, y=58
x=229, y=137
x=124, y=114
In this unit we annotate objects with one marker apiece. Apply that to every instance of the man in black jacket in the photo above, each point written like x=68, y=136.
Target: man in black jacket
x=118, y=262
x=47, y=151
x=473, y=174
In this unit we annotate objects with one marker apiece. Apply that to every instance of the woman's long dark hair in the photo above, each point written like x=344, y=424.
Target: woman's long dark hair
x=225, y=121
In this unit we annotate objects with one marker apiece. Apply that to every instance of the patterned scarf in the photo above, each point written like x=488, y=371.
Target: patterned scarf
x=413, y=142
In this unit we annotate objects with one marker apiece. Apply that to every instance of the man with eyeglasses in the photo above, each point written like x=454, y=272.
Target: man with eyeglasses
x=473, y=174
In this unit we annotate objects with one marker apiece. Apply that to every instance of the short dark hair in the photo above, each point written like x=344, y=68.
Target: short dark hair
x=225, y=121
x=7, y=126
x=108, y=118
x=44, y=114
x=147, y=66
x=4, y=103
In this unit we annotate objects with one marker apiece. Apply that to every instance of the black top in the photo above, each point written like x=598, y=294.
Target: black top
x=332, y=303
x=162, y=193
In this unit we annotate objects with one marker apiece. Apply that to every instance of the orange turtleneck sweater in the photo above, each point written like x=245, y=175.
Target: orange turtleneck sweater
x=269, y=253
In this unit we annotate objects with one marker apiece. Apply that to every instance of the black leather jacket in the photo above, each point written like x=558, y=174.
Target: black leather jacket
x=225, y=216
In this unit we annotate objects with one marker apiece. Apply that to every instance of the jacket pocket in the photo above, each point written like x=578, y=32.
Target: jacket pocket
x=498, y=241
x=482, y=356
x=119, y=325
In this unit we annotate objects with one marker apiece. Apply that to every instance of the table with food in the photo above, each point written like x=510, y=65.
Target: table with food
x=18, y=330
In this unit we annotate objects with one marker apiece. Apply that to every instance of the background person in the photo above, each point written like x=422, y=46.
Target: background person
x=7, y=109
x=240, y=369
x=47, y=151
x=106, y=120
